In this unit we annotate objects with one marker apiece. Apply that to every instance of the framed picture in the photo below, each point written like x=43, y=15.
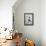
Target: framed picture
x=28, y=18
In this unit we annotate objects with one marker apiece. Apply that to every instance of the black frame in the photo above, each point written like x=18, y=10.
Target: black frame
x=28, y=14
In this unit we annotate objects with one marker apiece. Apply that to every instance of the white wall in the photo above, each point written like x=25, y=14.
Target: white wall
x=43, y=22
x=31, y=32
x=6, y=13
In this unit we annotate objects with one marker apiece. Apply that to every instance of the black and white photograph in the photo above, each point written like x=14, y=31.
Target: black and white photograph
x=28, y=18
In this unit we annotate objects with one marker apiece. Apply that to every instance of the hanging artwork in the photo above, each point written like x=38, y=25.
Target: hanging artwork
x=28, y=18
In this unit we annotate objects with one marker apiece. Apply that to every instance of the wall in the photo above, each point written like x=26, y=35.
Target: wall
x=43, y=22
x=6, y=13
x=30, y=32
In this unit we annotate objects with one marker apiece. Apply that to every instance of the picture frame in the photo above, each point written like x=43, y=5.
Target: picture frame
x=28, y=18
